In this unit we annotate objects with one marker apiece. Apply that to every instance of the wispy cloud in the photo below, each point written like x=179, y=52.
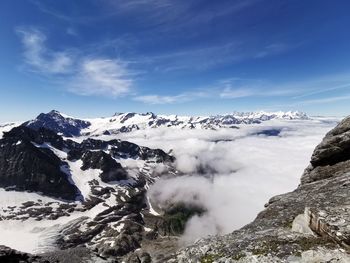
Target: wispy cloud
x=157, y=99
x=273, y=49
x=325, y=100
x=202, y=58
x=84, y=74
x=238, y=88
x=39, y=57
x=235, y=88
x=158, y=21
x=242, y=92
x=319, y=90
x=229, y=93
x=199, y=58
x=180, y=98
x=102, y=77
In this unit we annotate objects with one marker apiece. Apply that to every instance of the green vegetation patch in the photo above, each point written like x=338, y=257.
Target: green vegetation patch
x=210, y=258
x=176, y=217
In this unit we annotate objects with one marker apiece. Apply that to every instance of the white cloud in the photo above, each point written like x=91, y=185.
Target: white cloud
x=242, y=171
x=229, y=93
x=273, y=49
x=85, y=75
x=180, y=98
x=235, y=88
x=101, y=77
x=39, y=57
x=157, y=99
x=325, y=100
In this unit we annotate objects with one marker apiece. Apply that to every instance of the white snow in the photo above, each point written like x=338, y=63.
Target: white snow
x=82, y=178
x=15, y=198
x=5, y=127
x=38, y=236
x=147, y=229
x=120, y=227
x=151, y=210
x=99, y=125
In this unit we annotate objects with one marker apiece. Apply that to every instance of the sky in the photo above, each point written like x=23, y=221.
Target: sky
x=195, y=57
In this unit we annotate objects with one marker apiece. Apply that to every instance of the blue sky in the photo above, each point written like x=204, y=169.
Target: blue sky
x=97, y=57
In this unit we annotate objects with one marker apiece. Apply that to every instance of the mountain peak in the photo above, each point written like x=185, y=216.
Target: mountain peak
x=54, y=112
x=58, y=122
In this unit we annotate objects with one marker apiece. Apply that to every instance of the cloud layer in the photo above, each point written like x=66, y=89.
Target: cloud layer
x=232, y=173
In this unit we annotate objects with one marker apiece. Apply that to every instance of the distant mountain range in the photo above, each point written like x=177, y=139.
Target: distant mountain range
x=127, y=122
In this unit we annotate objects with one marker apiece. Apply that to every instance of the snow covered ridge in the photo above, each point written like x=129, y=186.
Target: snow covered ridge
x=128, y=122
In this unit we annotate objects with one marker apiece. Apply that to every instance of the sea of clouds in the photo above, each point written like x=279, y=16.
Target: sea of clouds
x=232, y=173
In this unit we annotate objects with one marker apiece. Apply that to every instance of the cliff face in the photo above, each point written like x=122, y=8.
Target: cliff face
x=23, y=166
x=310, y=224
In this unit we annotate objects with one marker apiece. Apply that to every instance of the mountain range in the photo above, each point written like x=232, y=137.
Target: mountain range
x=80, y=195
x=127, y=122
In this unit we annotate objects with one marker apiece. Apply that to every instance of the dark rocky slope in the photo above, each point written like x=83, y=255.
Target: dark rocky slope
x=28, y=163
x=23, y=166
x=310, y=224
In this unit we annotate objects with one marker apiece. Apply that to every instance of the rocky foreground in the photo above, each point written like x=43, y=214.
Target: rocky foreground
x=310, y=224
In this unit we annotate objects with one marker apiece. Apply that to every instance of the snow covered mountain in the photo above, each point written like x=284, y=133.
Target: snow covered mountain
x=60, y=194
x=127, y=122
x=64, y=189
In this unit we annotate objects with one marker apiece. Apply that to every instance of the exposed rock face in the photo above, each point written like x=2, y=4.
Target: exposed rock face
x=323, y=197
x=111, y=169
x=27, y=160
x=24, y=166
x=120, y=149
x=332, y=157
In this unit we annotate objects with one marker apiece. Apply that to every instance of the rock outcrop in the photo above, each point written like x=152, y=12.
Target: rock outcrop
x=310, y=224
x=111, y=169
